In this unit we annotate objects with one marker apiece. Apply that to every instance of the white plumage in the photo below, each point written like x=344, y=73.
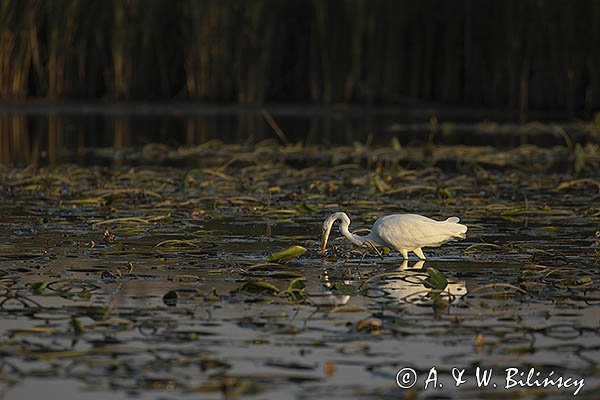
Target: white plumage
x=403, y=232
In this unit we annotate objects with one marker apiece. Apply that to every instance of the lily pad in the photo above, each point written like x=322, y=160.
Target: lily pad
x=435, y=279
x=257, y=287
x=287, y=254
x=170, y=298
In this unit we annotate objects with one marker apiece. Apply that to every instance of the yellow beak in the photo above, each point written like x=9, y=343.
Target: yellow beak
x=324, y=242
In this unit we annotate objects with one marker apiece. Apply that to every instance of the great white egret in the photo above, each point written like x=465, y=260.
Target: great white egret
x=403, y=232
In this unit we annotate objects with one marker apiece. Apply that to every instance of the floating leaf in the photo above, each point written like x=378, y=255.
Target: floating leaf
x=347, y=308
x=259, y=287
x=369, y=325
x=31, y=331
x=38, y=287
x=170, y=298
x=97, y=313
x=77, y=326
x=297, y=284
x=584, y=281
x=435, y=279
x=273, y=270
x=287, y=254
x=342, y=288
x=295, y=290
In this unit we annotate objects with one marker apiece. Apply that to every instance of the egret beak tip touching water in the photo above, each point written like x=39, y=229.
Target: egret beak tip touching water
x=324, y=237
x=403, y=232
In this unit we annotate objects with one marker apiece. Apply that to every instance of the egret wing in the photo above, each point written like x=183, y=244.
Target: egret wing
x=411, y=231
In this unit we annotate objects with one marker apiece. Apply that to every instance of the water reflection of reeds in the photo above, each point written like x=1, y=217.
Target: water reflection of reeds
x=40, y=138
x=52, y=139
x=509, y=54
x=15, y=144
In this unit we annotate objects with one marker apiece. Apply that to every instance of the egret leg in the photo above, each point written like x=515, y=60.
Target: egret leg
x=419, y=253
x=404, y=253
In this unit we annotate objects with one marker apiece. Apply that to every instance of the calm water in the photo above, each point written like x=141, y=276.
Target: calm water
x=88, y=133
x=152, y=282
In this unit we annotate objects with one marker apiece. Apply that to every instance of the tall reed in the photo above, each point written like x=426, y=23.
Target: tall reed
x=514, y=54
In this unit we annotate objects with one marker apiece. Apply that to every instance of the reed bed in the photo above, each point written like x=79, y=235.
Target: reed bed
x=519, y=55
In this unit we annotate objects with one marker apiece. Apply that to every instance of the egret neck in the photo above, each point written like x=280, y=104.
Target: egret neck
x=344, y=225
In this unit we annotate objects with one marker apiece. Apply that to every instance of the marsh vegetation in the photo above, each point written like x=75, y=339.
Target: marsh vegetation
x=516, y=55
x=162, y=280
x=166, y=166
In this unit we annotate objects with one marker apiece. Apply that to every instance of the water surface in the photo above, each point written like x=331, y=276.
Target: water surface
x=152, y=281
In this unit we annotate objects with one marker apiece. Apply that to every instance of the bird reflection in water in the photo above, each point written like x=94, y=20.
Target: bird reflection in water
x=405, y=284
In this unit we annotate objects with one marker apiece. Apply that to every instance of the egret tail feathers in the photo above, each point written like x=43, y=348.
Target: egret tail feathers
x=457, y=230
x=460, y=231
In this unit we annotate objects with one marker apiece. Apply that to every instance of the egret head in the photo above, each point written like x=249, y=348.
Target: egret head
x=327, y=224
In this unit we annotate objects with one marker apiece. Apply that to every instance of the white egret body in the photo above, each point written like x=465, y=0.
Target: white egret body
x=403, y=232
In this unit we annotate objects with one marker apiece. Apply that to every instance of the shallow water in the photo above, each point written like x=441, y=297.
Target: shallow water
x=146, y=281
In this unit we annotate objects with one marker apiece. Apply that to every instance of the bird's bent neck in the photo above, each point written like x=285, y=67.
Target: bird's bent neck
x=344, y=225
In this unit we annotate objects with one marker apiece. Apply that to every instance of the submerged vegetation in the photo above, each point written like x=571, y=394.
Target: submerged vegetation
x=207, y=279
x=517, y=55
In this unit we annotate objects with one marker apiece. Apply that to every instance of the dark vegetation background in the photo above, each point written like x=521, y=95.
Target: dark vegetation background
x=515, y=55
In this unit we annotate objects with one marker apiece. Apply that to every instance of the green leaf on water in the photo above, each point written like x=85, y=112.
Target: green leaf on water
x=85, y=294
x=77, y=326
x=295, y=296
x=584, y=281
x=97, y=313
x=38, y=287
x=342, y=288
x=297, y=284
x=435, y=279
x=259, y=287
x=295, y=290
x=287, y=254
